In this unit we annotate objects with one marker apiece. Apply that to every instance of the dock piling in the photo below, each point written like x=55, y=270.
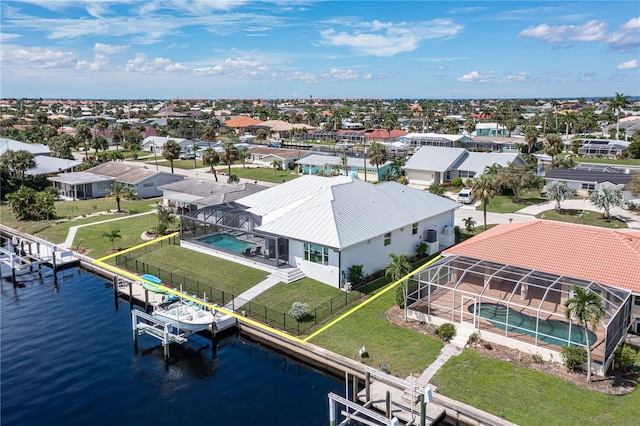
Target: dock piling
x=388, y=405
x=367, y=386
x=355, y=388
x=423, y=411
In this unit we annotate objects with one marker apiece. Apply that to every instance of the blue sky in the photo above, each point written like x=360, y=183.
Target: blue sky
x=325, y=49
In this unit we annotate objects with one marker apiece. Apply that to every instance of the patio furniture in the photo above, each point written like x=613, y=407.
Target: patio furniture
x=258, y=251
x=247, y=252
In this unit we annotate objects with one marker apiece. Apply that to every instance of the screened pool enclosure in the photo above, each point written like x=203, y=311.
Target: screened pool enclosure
x=516, y=303
x=229, y=228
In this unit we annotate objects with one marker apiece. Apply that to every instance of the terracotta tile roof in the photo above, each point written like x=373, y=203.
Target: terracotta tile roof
x=242, y=121
x=603, y=255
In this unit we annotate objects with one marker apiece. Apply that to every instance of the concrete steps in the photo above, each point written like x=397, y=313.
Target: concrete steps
x=288, y=275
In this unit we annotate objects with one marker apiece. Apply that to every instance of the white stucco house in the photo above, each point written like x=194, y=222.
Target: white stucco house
x=321, y=226
x=151, y=143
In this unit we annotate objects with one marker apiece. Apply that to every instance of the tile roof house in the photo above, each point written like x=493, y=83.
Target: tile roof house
x=431, y=164
x=322, y=226
x=510, y=283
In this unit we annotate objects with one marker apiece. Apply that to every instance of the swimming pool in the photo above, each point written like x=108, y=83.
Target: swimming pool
x=554, y=332
x=226, y=242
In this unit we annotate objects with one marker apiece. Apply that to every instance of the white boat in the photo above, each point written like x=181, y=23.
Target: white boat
x=184, y=316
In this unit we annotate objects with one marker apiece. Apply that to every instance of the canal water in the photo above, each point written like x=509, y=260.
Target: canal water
x=67, y=358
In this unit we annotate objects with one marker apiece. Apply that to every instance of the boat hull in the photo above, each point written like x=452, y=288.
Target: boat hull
x=184, y=317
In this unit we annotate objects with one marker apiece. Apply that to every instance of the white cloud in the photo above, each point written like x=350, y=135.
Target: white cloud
x=108, y=49
x=142, y=64
x=7, y=36
x=477, y=77
x=200, y=72
x=632, y=24
x=626, y=38
x=37, y=57
x=589, y=31
x=388, y=39
x=629, y=65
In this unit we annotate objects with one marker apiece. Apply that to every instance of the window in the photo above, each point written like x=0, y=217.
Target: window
x=414, y=229
x=589, y=186
x=636, y=300
x=148, y=185
x=316, y=254
x=104, y=187
x=387, y=239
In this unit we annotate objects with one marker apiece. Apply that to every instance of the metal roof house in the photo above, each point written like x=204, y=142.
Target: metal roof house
x=191, y=194
x=503, y=284
x=434, y=164
x=610, y=148
x=155, y=143
x=321, y=226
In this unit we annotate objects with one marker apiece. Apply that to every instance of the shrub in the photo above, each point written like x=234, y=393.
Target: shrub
x=468, y=183
x=446, y=331
x=474, y=338
x=299, y=310
x=624, y=356
x=537, y=358
x=160, y=229
x=411, y=287
x=573, y=357
x=356, y=276
x=456, y=181
x=421, y=250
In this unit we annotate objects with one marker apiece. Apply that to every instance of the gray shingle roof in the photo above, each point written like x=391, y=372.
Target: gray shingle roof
x=124, y=172
x=588, y=176
x=436, y=158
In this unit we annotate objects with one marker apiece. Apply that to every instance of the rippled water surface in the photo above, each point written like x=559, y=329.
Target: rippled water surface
x=67, y=358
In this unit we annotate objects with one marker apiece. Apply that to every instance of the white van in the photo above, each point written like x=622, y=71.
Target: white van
x=465, y=196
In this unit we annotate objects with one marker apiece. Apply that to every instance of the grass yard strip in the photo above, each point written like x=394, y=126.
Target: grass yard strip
x=210, y=271
x=403, y=351
x=71, y=212
x=306, y=290
x=588, y=218
x=263, y=174
x=529, y=397
x=613, y=162
x=130, y=229
x=505, y=204
x=371, y=299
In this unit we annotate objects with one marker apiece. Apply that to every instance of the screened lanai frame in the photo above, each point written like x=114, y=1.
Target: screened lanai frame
x=455, y=288
x=233, y=220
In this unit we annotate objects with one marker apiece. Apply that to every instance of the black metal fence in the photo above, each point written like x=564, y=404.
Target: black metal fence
x=281, y=320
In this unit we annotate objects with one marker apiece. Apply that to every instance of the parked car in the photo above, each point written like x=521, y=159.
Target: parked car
x=465, y=196
x=187, y=156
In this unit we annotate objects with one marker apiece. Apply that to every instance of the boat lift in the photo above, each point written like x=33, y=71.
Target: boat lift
x=143, y=323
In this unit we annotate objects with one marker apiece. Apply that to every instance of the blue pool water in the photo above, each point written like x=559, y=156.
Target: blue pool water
x=226, y=242
x=554, y=332
x=68, y=359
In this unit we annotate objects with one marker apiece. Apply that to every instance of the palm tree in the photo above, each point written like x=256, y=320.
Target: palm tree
x=209, y=134
x=617, y=103
x=118, y=191
x=396, y=167
x=586, y=308
x=83, y=133
x=607, y=198
x=377, y=156
x=470, y=125
x=171, y=151
x=243, y=154
x=276, y=166
x=18, y=162
x=469, y=224
x=99, y=143
x=112, y=235
x=553, y=145
x=229, y=154
x=484, y=188
x=530, y=137
x=211, y=159
x=398, y=267
x=559, y=191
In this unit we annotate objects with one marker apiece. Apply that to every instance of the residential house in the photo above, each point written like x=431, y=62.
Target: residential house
x=417, y=140
x=609, y=148
x=491, y=129
x=322, y=226
x=434, y=164
x=188, y=195
x=45, y=164
x=328, y=165
x=98, y=181
x=594, y=178
x=505, y=285
x=155, y=143
x=265, y=156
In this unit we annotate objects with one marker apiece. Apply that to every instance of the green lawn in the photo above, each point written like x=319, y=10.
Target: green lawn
x=529, y=397
x=56, y=230
x=263, y=174
x=576, y=216
x=505, y=204
x=131, y=229
x=306, y=290
x=402, y=350
x=223, y=275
